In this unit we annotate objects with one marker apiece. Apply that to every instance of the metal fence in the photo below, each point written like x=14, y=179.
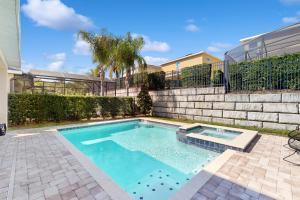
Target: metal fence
x=135, y=80
x=206, y=75
x=274, y=73
x=56, y=85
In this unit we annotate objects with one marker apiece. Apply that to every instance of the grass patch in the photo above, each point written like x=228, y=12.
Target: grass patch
x=260, y=130
x=48, y=124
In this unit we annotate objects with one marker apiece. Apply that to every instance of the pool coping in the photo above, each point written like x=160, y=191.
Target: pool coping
x=240, y=142
x=187, y=191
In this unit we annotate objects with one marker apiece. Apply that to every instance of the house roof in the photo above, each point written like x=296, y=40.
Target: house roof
x=250, y=38
x=13, y=70
x=153, y=66
x=187, y=56
x=65, y=75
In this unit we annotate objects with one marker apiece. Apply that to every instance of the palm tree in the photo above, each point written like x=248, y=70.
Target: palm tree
x=127, y=56
x=115, y=54
x=102, y=47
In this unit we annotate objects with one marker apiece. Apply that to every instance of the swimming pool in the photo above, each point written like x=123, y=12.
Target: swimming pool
x=143, y=158
x=216, y=132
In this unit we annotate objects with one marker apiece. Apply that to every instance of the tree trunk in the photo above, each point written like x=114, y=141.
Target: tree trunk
x=127, y=81
x=102, y=81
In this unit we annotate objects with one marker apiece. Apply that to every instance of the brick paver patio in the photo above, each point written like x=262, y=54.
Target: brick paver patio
x=35, y=165
x=39, y=167
x=260, y=174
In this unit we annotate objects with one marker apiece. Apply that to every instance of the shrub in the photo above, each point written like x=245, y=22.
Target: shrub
x=46, y=107
x=144, y=101
x=198, y=75
x=266, y=74
x=156, y=80
x=128, y=106
x=114, y=106
x=104, y=106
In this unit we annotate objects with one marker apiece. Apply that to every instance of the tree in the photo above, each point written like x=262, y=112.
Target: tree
x=102, y=47
x=127, y=56
x=115, y=54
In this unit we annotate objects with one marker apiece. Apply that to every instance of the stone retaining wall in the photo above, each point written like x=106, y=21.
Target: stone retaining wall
x=133, y=92
x=271, y=110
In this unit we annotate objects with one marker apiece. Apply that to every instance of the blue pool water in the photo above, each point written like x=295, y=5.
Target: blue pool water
x=217, y=133
x=143, y=158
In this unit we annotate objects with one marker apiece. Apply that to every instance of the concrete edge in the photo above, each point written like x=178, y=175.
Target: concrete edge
x=191, y=188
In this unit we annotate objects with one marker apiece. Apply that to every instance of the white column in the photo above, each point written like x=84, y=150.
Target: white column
x=3, y=92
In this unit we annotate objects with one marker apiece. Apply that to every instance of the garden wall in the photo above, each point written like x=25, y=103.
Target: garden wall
x=268, y=110
x=133, y=92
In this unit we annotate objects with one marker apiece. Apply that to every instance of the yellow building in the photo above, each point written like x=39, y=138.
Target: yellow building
x=153, y=68
x=150, y=69
x=189, y=60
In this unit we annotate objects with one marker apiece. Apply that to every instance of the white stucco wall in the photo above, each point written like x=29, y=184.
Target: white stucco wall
x=3, y=89
x=9, y=48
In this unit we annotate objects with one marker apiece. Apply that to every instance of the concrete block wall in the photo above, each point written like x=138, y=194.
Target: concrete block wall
x=268, y=110
x=132, y=92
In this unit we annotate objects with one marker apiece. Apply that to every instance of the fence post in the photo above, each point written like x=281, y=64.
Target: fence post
x=105, y=88
x=226, y=81
x=64, y=86
x=115, y=89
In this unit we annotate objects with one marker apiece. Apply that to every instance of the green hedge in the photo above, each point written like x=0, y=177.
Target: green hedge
x=156, y=80
x=198, y=75
x=266, y=74
x=44, y=107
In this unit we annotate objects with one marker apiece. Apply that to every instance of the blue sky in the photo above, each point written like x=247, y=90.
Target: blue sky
x=171, y=28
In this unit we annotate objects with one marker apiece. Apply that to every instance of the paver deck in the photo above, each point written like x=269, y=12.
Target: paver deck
x=35, y=165
x=259, y=174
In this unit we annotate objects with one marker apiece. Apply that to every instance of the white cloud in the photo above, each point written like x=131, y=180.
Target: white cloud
x=217, y=47
x=81, y=47
x=190, y=21
x=290, y=20
x=192, y=28
x=55, y=14
x=57, y=61
x=79, y=70
x=26, y=66
x=155, y=60
x=290, y=2
x=152, y=45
